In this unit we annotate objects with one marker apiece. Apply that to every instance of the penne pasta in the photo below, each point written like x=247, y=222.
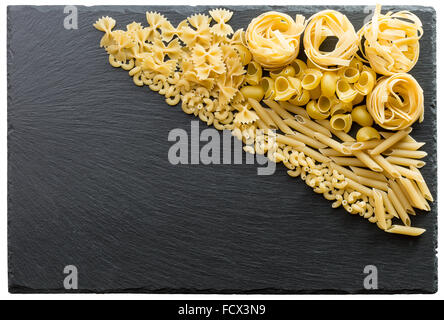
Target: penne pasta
x=290, y=142
x=315, y=155
x=284, y=114
x=307, y=140
x=406, y=162
x=340, y=134
x=387, y=166
x=416, y=199
x=402, y=197
x=346, y=172
x=364, y=145
x=409, y=173
x=359, y=187
x=408, y=231
x=294, y=109
x=369, y=174
x=299, y=127
x=389, y=206
x=379, y=208
x=423, y=186
x=279, y=122
x=406, y=153
x=387, y=143
x=412, y=146
x=387, y=135
x=312, y=125
x=332, y=143
x=262, y=113
x=373, y=183
x=400, y=209
x=365, y=158
x=329, y=152
x=346, y=161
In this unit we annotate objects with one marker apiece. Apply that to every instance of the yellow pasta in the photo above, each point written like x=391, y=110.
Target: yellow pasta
x=391, y=41
x=412, y=154
x=221, y=76
x=406, y=161
x=387, y=143
x=273, y=38
x=328, y=83
x=406, y=230
x=341, y=122
x=369, y=174
x=262, y=113
x=345, y=161
x=401, y=196
x=423, y=186
x=330, y=23
x=312, y=125
x=387, y=166
x=396, y=102
x=379, y=208
x=332, y=143
x=415, y=198
x=400, y=209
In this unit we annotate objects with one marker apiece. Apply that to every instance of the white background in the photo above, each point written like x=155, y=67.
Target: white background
x=439, y=7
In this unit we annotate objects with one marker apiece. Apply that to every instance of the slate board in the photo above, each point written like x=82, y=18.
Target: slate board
x=89, y=183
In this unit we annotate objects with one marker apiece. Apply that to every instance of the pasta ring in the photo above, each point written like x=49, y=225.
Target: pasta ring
x=396, y=102
x=330, y=23
x=274, y=38
x=391, y=42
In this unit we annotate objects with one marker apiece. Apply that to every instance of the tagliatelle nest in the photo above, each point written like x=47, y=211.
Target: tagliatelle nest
x=391, y=41
x=274, y=38
x=396, y=102
x=330, y=23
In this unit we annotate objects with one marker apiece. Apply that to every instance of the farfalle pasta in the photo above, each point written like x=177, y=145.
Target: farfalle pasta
x=274, y=38
x=222, y=76
x=391, y=41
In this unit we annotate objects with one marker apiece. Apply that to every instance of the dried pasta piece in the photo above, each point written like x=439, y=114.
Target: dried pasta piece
x=406, y=230
x=274, y=38
x=396, y=102
x=391, y=41
x=221, y=16
x=119, y=49
x=325, y=24
x=207, y=61
x=105, y=24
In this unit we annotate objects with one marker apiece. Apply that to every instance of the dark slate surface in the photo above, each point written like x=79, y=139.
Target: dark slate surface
x=89, y=183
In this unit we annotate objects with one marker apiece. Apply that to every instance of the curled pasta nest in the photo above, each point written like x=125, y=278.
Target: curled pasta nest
x=391, y=41
x=325, y=24
x=396, y=102
x=274, y=38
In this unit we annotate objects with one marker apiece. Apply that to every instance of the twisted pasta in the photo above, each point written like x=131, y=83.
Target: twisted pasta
x=274, y=38
x=391, y=42
x=396, y=102
x=325, y=24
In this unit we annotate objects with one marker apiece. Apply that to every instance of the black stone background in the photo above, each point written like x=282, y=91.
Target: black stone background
x=89, y=182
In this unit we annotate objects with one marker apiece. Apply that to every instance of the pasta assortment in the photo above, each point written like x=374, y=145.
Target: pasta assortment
x=222, y=75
